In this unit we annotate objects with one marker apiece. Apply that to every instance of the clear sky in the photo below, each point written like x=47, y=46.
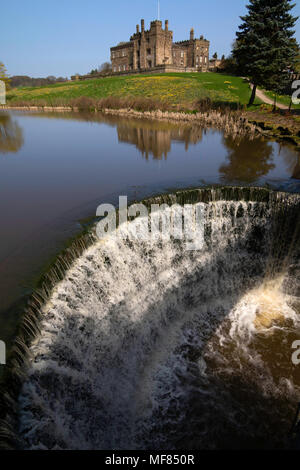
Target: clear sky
x=63, y=37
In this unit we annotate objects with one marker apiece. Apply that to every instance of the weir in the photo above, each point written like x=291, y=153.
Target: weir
x=130, y=345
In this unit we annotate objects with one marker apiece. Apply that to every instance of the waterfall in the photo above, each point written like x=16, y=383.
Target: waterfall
x=138, y=345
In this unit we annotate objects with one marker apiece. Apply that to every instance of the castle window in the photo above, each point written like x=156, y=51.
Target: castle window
x=182, y=54
x=124, y=68
x=205, y=60
x=115, y=68
x=201, y=59
x=149, y=51
x=119, y=68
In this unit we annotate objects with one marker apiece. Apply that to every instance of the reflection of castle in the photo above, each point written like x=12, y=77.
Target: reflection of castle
x=148, y=141
x=151, y=140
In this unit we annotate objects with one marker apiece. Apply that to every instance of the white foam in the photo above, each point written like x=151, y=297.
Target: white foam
x=135, y=329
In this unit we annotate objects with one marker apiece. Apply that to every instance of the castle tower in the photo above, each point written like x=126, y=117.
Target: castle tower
x=154, y=48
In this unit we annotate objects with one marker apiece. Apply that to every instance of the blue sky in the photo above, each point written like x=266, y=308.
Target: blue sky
x=62, y=37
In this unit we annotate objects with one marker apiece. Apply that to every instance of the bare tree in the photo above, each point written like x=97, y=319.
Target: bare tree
x=105, y=67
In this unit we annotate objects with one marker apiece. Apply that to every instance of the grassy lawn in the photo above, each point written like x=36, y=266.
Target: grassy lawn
x=173, y=88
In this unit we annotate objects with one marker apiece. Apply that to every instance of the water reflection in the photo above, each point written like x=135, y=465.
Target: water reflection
x=71, y=162
x=291, y=159
x=155, y=138
x=11, y=135
x=242, y=160
x=247, y=160
x=151, y=138
x=296, y=172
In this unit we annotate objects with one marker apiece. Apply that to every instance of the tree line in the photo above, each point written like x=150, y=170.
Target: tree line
x=25, y=81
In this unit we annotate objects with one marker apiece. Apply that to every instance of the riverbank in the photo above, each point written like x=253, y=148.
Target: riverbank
x=280, y=126
x=192, y=97
x=231, y=122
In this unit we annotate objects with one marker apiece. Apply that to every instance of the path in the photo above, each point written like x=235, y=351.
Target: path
x=260, y=94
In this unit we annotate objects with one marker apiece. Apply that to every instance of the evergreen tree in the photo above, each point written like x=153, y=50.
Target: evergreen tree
x=264, y=48
x=297, y=60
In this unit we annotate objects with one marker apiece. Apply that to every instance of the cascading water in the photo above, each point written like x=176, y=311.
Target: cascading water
x=148, y=346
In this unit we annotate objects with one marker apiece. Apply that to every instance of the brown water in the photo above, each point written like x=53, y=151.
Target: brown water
x=56, y=169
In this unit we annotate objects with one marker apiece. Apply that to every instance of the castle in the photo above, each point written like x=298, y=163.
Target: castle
x=154, y=50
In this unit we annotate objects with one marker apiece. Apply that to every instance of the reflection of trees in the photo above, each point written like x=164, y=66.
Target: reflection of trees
x=296, y=172
x=11, y=135
x=292, y=160
x=153, y=138
x=248, y=160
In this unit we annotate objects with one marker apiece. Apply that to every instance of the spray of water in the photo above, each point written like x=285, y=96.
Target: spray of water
x=146, y=346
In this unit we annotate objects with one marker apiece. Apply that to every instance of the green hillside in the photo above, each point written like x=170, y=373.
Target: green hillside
x=173, y=89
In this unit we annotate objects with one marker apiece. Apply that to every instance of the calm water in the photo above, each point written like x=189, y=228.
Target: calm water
x=56, y=169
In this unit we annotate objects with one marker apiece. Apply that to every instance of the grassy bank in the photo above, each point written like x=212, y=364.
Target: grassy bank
x=282, y=99
x=171, y=90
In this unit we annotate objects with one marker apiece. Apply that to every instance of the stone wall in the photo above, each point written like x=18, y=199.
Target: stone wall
x=152, y=48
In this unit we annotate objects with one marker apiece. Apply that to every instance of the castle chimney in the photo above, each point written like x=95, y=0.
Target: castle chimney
x=137, y=29
x=143, y=25
x=192, y=34
x=167, y=25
